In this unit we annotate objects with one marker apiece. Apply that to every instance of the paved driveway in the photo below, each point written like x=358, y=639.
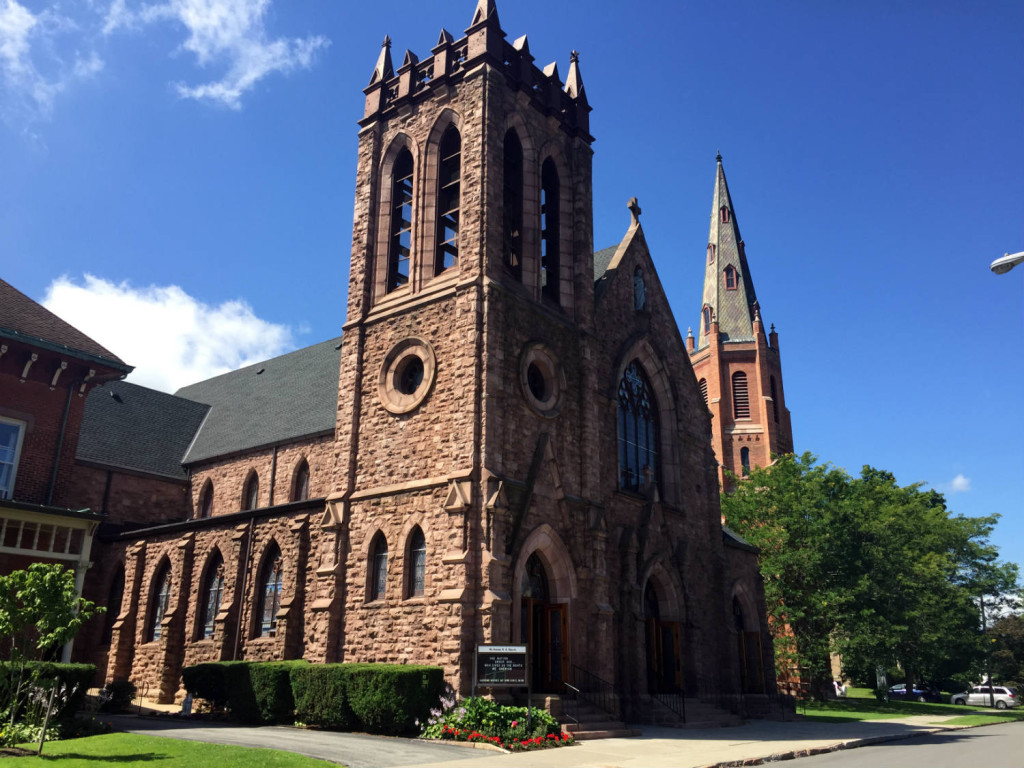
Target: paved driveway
x=352, y=749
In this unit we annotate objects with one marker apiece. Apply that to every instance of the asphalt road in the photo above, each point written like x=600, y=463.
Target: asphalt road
x=994, y=746
x=351, y=749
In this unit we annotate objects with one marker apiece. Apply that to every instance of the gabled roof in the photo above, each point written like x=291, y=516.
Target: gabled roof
x=137, y=428
x=285, y=398
x=25, y=320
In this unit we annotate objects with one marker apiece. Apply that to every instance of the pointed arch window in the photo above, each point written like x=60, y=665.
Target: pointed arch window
x=270, y=592
x=638, y=428
x=251, y=491
x=725, y=214
x=378, y=563
x=300, y=488
x=549, y=235
x=417, y=560
x=206, y=500
x=731, y=278
x=775, y=400
x=159, y=600
x=745, y=461
x=703, y=384
x=449, y=176
x=210, y=595
x=711, y=253
x=740, y=396
x=400, y=243
x=706, y=319
x=512, y=198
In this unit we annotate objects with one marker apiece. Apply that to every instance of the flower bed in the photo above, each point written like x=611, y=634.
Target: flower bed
x=484, y=721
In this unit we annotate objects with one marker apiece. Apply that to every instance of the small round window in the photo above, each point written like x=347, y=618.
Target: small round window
x=406, y=375
x=541, y=380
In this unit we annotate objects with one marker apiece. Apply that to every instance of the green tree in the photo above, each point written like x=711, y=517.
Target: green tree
x=1007, y=642
x=39, y=612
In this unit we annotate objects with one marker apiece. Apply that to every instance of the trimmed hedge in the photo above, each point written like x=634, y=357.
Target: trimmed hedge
x=389, y=698
x=44, y=673
x=377, y=698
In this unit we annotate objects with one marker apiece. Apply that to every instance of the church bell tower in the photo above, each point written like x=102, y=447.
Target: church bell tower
x=737, y=365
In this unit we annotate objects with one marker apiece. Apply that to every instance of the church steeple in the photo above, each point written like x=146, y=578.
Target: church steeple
x=729, y=298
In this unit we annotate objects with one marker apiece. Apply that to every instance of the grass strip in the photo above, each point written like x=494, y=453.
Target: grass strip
x=128, y=750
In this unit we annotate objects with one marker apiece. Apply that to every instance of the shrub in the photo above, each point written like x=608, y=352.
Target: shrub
x=209, y=681
x=483, y=720
x=271, y=688
x=392, y=698
x=117, y=696
x=73, y=681
x=319, y=694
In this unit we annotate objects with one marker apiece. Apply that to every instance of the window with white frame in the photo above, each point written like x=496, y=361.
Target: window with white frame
x=11, y=434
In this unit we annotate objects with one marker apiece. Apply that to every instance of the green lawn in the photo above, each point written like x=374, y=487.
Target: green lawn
x=127, y=750
x=862, y=705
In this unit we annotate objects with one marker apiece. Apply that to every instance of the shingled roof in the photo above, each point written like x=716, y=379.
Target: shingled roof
x=285, y=398
x=28, y=321
x=136, y=428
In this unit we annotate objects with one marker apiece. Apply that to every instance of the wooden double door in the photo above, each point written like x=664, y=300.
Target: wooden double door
x=664, y=662
x=545, y=628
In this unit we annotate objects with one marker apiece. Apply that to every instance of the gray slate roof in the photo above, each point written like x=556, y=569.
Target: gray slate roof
x=137, y=428
x=291, y=396
x=602, y=259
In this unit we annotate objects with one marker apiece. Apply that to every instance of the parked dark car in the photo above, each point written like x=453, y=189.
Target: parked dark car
x=920, y=692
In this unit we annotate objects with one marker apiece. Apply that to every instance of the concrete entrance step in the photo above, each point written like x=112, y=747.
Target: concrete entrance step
x=612, y=733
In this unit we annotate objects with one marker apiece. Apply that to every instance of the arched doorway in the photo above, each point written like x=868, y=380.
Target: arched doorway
x=544, y=627
x=664, y=662
x=748, y=649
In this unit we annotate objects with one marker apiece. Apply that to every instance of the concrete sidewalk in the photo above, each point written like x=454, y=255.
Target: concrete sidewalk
x=749, y=744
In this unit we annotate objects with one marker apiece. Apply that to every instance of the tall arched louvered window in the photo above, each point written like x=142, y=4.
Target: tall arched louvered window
x=159, y=600
x=378, y=564
x=512, y=198
x=251, y=491
x=270, y=592
x=211, y=592
x=417, y=563
x=449, y=177
x=400, y=242
x=711, y=252
x=703, y=384
x=740, y=396
x=549, y=232
x=206, y=500
x=300, y=488
x=638, y=428
x=725, y=215
x=775, y=400
x=706, y=317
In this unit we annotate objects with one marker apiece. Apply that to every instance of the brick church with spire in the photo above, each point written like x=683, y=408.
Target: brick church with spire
x=737, y=365
x=506, y=444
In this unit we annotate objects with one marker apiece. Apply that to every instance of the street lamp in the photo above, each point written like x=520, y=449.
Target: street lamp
x=1006, y=262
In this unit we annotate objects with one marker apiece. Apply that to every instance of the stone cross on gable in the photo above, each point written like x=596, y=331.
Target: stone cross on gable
x=634, y=209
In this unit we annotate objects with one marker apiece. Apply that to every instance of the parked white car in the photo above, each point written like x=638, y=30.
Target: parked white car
x=982, y=695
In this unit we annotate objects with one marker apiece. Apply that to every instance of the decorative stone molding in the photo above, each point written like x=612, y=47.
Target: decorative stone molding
x=542, y=380
x=406, y=375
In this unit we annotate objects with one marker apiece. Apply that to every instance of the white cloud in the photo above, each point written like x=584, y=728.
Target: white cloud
x=170, y=337
x=32, y=70
x=231, y=32
x=958, y=484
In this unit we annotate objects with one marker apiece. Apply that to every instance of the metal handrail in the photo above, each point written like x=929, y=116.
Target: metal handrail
x=676, y=702
x=595, y=690
x=575, y=699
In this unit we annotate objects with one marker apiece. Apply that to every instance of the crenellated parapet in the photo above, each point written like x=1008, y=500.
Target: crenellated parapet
x=484, y=45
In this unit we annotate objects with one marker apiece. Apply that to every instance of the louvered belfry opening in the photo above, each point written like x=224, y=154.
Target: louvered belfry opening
x=740, y=397
x=704, y=390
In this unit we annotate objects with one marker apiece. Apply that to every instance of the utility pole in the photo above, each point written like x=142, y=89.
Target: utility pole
x=988, y=657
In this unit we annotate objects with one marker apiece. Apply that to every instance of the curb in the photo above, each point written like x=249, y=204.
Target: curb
x=798, y=753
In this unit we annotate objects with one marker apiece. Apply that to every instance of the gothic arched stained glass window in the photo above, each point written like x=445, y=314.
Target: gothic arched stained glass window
x=638, y=428
x=270, y=593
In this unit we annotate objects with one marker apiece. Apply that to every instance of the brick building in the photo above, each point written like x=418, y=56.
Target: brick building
x=516, y=449
x=738, y=366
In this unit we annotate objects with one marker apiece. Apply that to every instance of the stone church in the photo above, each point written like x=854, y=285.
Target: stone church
x=507, y=443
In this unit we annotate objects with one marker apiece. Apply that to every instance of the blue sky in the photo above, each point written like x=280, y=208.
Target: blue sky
x=178, y=178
